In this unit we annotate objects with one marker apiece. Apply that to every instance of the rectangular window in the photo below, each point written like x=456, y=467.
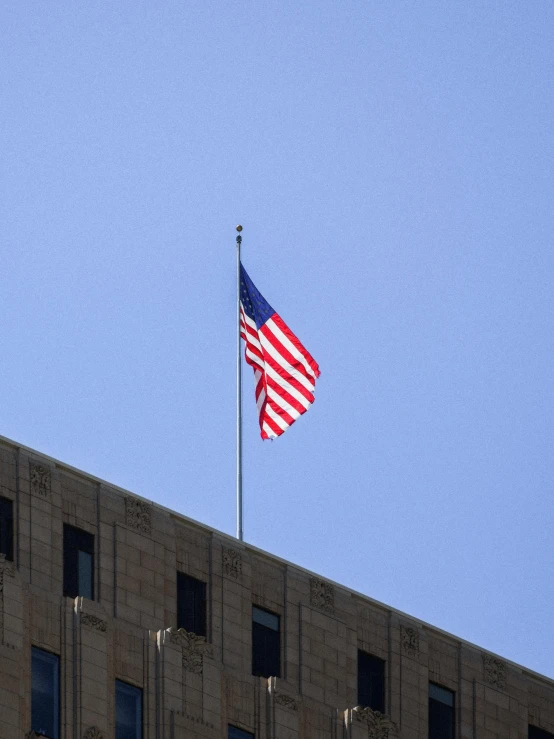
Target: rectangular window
x=371, y=681
x=191, y=604
x=266, y=643
x=128, y=711
x=234, y=733
x=536, y=733
x=6, y=528
x=45, y=693
x=78, y=563
x=441, y=712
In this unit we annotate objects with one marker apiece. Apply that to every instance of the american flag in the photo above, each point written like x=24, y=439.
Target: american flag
x=284, y=372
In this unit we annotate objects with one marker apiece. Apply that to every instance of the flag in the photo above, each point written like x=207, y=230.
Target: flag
x=284, y=372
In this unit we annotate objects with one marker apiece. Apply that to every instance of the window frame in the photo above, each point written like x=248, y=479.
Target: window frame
x=238, y=733
x=71, y=549
x=199, y=619
x=535, y=732
x=375, y=705
x=260, y=630
x=7, y=528
x=436, y=700
x=125, y=686
x=54, y=659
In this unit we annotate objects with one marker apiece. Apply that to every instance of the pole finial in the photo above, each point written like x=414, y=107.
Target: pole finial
x=239, y=228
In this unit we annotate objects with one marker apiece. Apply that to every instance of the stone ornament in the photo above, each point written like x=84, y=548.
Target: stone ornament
x=138, y=515
x=41, y=480
x=494, y=671
x=281, y=699
x=193, y=647
x=409, y=638
x=232, y=563
x=196, y=720
x=379, y=726
x=322, y=594
x=94, y=733
x=93, y=622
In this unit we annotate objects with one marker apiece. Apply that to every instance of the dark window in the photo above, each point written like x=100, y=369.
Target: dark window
x=6, y=528
x=235, y=733
x=78, y=563
x=536, y=733
x=45, y=693
x=128, y=711
x=371, y=681
x=266, y=643
x=441, y=712
x=191, y=604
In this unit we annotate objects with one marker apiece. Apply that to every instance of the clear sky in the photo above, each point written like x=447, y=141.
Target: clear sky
x=392, y=165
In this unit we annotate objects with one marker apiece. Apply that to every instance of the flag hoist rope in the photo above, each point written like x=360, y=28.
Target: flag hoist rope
x=239, y=398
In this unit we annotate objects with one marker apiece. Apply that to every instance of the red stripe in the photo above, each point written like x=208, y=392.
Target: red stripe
x=287, y=397
x=287, y=356
x=289, y=378
x=281, y=412
x=277, y=430
x=297, y=344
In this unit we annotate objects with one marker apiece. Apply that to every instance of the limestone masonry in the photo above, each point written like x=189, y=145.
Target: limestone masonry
x=193, y=685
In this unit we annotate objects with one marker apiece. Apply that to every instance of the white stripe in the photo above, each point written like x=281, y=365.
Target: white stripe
x=255, y=341
x=282, y=362
x=275, y=417
x=286, y=342
x=269, y=431
x=282, y=403
x=255, y=358
x=287, y=386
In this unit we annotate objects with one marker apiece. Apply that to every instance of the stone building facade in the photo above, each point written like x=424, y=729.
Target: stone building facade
x=194, y=686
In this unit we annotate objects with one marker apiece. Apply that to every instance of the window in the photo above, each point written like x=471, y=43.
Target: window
x=78, y=563
x=536, y=733
x=45, y=694
x=234, y=733
x=128, y=711
x=191, y=604
x=6, y=528
x=441, y=712
x=266, y=643
x=371, y=681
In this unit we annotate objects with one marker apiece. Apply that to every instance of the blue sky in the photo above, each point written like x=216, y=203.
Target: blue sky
x=391, y=163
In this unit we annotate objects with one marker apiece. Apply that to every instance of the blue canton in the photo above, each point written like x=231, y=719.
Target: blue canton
x=255, y=305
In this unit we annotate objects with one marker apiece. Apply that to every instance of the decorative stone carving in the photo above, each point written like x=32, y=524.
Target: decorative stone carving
x=93, y=622
x=379, y=726
x=193, y=647
x=494, y=671
x=41, y=480
x=195, y=719
x=409, y=638
x=138, y=514
x=232, y=563
x=281, y=699
x=322, y=594
x=94, y=733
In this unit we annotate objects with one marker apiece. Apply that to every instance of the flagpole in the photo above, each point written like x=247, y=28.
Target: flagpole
x=239, y=398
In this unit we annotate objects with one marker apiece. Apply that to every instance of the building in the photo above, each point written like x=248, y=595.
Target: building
x=120, y=619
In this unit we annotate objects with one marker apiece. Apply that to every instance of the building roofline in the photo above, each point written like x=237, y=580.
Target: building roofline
x=232, y=540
